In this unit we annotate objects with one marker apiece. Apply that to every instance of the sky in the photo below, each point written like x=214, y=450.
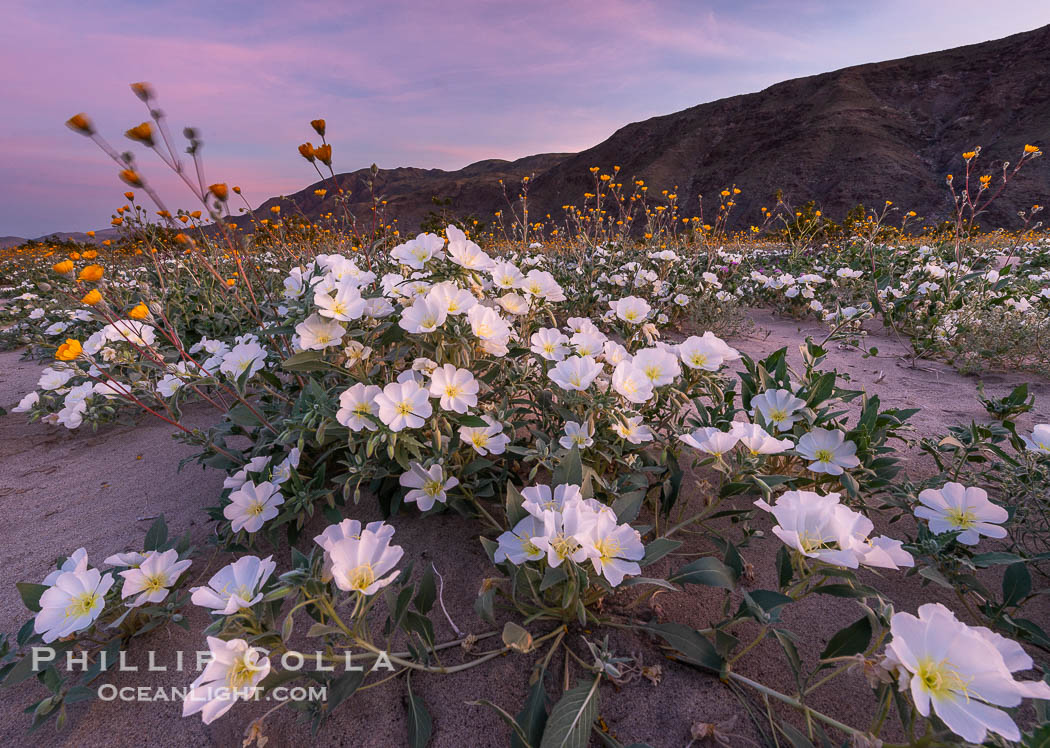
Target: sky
x=436, y=84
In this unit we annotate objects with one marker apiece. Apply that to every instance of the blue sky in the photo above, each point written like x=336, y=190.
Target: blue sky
x=402, y=83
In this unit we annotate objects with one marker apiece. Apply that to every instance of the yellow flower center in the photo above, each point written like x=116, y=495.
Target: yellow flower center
x=479, y=439
x=776, y=416
x=940, y=679
x=825, y=455
x=404, y=408
x=564, y=546
x=240, y=673
x=698, y=359
x=432, y=487
x=255, y=508
x=964, y=519
x=155, y=582
x=608, y=549
x=453, y=390
x=81, y=605
x=360, y=577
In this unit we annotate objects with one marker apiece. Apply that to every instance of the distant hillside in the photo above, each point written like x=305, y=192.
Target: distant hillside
x=58, y=236
x=882, y=131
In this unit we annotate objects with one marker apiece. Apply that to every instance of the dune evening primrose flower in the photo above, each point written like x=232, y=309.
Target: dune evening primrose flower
x=550, y=343
x=1040, y=439
x=77, y=561
x=485, y=440
x=758, y=441
x=579, y=435
x=357, y=407
x=779, y=408
x=962, y=673
x=451, y=298
x=428, y=485
x=632, y=429
x=828, y=450
x=659, y=366
x=235, y=586
x=251, y=505
x=575, y=373
x=516, y=545
x=403, y=405
x=613, y=548
x=345, y=304
x=233, y=672
x=359, y=564
x=711, y=440
x=244, y=357
x=153, y=577
x=72, y=603
x=348, y=528
x=505, y=275
x=708, y=352
x=955, y=507
x=631, y=309
x=425, y=315
x=457, y=388
x=318, y=333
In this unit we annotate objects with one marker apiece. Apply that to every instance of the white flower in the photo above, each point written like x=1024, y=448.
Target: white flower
x=345, y=304
x=416, y=252
x=955, y=507
x=356, y=404
x=614, y=549
x=152, y=577
x=964, y=673
x=589, y=343
x=550, y=343
x=318, y=333
x=283, y=472
x=52, y=379
x=235, y=586
x=358, y=564
x=451, y=298
x=233, y=672
x=821, y=527
x=403, y=405
x=505, y=275
x=631, y=382
x=577, y=435
x=72, y=603
x=251, y=505
x=540, y=498
x=464, y=252
x=541, y=284
x=708, y=352
x=246, y=357
x=631, y=309
x=26, y=403
x=711, y=440
x=659, y=366
x=575, y=372
x=255, y=465
x=828, y=450
x=514, y=303
x=127, y=559
x=778, y=408
x=77, y=561
x=457, y=388
x=486, y=324
x=1038, y=442
x=758, y=441
x=425, y=315
x=429, y=485
x=559, y=539
x=348, y=528
x=516, y=545
x=632, y=429
x=485, y=440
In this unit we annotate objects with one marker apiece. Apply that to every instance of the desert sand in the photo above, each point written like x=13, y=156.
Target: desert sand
x=61, y=490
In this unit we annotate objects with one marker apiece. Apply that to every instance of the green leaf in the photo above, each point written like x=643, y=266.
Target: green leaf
x=533, y=715
x=571, y=720
x=157, y=535
x=695, y=648
x=628, y=505
x=343, y=687
x=31, y=594
x=708, y=571
x=419, y=724
x=995, y=558
x=426, y=592
x=474, y=422
x=569, y=470
x=305, y=361
x=1017, y=584
x=657, y=549
x=851, y=640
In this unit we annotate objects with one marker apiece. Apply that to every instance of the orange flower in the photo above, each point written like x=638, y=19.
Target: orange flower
x=231, y=281
x=91, y=234
x=143, y=90
x=69, y=350
x=275, y=209
x=141, y=311
x=81, y=124
x=306, y=150
x=92, y=297
x=63, y=268
x=318, y=125
x=220, y=190
x=130, y=176
x=90, y=254
x=117, y=221
x=182, y=239
x=91, y=273
x=320, y=193
x=324, y=154
x=1031, y=149
x=129, y=195
x=141, y=133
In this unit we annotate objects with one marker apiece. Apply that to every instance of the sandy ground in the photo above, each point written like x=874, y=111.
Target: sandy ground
x=62, y=490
